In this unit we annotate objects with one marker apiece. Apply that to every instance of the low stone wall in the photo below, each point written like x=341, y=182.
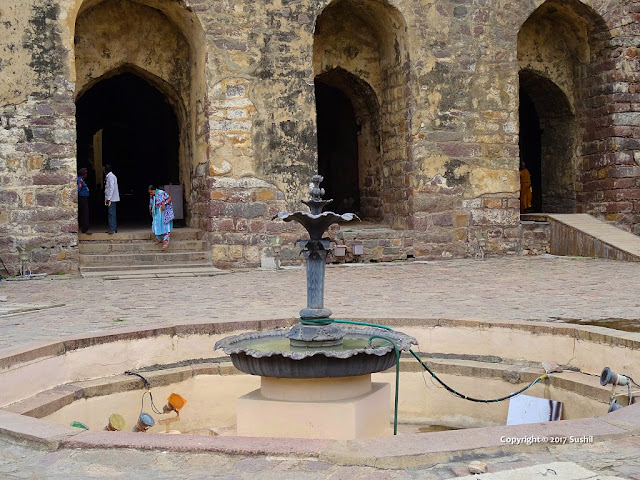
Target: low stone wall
x=536, y=236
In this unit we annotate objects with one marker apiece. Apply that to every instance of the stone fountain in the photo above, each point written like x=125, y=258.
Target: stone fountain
x=316, y=376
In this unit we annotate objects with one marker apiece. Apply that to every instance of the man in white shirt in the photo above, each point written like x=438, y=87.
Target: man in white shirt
x=111, y=196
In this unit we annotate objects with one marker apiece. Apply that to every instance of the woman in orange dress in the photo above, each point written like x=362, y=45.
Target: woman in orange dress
x=525, y=188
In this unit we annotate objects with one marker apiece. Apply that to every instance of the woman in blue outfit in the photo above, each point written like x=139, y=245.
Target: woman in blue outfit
x=161, y=210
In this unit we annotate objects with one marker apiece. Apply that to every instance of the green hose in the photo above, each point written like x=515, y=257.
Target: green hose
x=326, y=321
x=395, y=410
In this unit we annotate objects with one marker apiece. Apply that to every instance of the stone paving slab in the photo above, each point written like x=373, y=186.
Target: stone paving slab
x=556, y=470
x=542, y=288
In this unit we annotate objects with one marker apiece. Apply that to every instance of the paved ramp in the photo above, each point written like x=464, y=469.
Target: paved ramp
x=583, y=235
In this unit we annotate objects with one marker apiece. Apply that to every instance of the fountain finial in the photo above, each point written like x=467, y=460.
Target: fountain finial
x=315, y=190
x=315, y=202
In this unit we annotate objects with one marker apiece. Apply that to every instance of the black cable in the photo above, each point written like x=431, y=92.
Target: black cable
x=632, y=381
x=147, y=386
x=471, y=399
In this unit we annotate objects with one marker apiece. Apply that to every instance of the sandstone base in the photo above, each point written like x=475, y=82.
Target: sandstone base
x=331, y=408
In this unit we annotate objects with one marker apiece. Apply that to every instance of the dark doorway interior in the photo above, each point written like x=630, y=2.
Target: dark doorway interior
x=530, y=144
x=136, y=129
x=337, y=148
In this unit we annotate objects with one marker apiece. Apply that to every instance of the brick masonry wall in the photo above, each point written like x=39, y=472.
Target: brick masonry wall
x=611, y=149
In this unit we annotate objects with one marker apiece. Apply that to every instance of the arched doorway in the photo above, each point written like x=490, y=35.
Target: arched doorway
x=548, y=143
x=125, y=121
x=558, y=47
x=360, y=65
x=338, y=147
x=132, y=52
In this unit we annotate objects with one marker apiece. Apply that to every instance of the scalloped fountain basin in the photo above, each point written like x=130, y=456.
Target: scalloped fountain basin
x=269, y=354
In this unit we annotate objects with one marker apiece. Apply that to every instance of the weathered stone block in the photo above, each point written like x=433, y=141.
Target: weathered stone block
x=442, y=220
x=8, y=197
x=50, y=178
x=220, y=253
x=222, y=225
x=264, y=195
x=235, y=252
x=252, y=253
x=35, y=162
x=461, y=220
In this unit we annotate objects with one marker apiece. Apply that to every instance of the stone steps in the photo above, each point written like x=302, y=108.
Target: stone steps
x=160, y=257
x=156, y=271
x=135, y=251
x=380, y=244
x=105, y=247
x=140, y=235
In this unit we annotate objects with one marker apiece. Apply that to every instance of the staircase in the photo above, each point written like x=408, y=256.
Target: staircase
x=134, y=251
x=380, y=243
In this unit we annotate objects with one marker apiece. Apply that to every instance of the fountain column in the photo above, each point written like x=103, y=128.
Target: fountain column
x=315, y=254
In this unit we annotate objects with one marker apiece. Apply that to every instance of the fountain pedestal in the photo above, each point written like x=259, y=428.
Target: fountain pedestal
x=331, y=408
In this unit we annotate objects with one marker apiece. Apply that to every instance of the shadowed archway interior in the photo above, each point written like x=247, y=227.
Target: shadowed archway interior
x=548, y=143
x=125, y=121
x=338, y=148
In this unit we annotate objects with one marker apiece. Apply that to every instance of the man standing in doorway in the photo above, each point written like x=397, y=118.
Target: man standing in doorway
x=111, y=197
x=83, y=201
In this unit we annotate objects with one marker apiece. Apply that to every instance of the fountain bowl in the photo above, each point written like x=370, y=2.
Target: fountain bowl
x=269, y=354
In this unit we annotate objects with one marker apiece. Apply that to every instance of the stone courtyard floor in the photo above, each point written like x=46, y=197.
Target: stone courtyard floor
x=519, y=288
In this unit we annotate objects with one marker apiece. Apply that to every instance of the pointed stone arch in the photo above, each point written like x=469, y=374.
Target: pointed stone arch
x=161, y=42
x=559, y=47
x=360, y=46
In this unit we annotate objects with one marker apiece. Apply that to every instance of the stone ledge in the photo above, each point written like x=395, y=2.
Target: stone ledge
x=406, y=451
x=29, y=430
x=29, y=353
x=38, y=351
x=403, y=451
x=49, y=401
x=296, y=447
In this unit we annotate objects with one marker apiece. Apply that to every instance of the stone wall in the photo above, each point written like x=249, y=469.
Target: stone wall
x=439, y=137
x=611, y=146
x=237, y=216
x=38, y=197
